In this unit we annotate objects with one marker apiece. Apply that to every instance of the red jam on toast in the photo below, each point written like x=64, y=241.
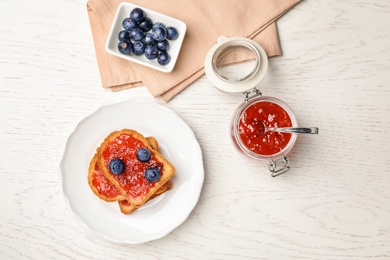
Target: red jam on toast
x=129, y=187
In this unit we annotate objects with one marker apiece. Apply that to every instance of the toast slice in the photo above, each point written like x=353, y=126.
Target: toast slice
x=124, y=205
x=132, y=184
x=100, y=185
x=106, y=191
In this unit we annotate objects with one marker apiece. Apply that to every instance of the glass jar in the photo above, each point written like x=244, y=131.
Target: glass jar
x=238, y=65
x=264, y=145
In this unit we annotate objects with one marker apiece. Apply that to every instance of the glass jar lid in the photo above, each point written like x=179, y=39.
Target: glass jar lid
x=236, y=64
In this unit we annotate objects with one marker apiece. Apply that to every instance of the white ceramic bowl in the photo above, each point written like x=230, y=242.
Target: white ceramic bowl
x=123, y=11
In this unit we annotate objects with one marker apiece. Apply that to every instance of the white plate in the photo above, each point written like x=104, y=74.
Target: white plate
x=123, y=11
x=157, y=217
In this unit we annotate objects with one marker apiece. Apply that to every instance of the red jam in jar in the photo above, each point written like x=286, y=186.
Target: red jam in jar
x=251, y=128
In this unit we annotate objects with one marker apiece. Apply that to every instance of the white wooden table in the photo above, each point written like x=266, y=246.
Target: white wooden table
x=333, y=204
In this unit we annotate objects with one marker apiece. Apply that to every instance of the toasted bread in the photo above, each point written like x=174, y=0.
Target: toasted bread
x=131, y=183
x=124, y=205
x=105, y=190
x=153, y=143
x=100, y=185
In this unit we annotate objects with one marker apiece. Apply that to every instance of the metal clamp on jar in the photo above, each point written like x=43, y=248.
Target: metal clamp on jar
x=263, y=128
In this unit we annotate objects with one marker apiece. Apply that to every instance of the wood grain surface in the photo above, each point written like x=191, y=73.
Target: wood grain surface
x=333, y=204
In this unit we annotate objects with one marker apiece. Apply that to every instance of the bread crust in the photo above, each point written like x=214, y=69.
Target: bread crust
x=167, y=170
x=127, y=208
x=153, y=143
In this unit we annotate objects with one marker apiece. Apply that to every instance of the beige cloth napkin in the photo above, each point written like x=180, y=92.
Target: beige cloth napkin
x=206, y=20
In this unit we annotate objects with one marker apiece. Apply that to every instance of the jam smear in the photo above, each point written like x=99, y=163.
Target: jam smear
x=103, y=185
x=125, y=203
x=132, y=179
x=251, y=128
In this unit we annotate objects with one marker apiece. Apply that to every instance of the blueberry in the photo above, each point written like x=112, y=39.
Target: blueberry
x=136, y=34
x=163, y=58
x=125, y=47
x=123, y=35
x=128, y=23
x=143, y=155
x=152, y=174
x=116, y=166
x=139, y=48
x=137, y=14
x=159, y=33
x=158, y=24
x=172, y=33
x=145, y=25
x=151, y=52
x=148, y=39
x=163, y=45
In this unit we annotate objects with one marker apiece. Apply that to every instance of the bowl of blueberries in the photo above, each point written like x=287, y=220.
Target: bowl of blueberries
x=146, y=37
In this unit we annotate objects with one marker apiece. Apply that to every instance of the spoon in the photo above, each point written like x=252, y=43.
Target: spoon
x=296, y=130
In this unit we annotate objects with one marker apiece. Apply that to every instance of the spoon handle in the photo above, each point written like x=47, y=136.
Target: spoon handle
x=297, y=130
